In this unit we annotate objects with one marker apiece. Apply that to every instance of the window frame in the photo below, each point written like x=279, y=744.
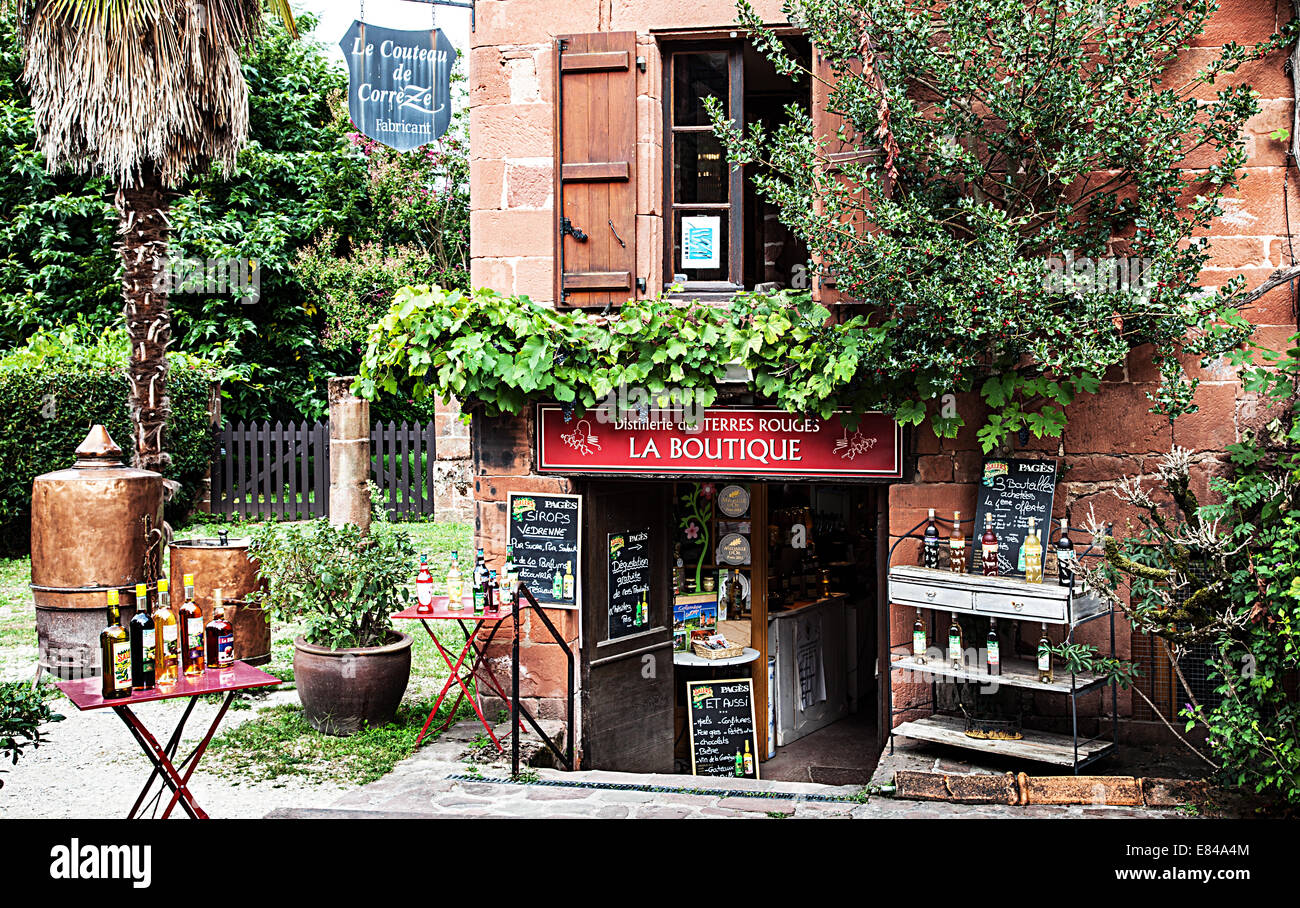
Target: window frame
x=734, y=207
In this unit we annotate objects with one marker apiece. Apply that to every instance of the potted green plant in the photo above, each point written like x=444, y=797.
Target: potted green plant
x=351, y=667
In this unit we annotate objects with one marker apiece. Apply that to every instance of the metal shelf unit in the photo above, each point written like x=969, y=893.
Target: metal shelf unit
x=1006, y=598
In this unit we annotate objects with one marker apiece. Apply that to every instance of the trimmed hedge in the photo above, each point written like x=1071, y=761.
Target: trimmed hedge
x=46, y=409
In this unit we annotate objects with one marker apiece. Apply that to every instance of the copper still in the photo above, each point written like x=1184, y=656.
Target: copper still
x=224, y=564
x=92, y=527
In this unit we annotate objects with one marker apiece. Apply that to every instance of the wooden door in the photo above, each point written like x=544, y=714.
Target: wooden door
x=627, y=682
x=595, y=151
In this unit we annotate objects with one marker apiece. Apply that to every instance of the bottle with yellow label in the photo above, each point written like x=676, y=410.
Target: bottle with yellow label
x=115, y=652
x=144, y=646
x=167, y=634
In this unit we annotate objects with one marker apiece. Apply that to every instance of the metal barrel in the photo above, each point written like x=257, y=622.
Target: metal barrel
x=226, y=566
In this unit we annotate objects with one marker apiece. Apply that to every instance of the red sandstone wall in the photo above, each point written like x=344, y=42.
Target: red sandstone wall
x=1109, y=435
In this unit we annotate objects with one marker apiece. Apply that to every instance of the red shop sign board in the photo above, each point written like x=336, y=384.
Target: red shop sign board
x=727, y=442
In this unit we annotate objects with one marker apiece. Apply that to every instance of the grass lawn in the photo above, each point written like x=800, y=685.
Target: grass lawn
x=278, y=741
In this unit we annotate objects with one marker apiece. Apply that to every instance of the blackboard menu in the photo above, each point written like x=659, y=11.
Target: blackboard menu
x=629, y=583
x=543, y=535
x=721, y=722
x=1013, y=491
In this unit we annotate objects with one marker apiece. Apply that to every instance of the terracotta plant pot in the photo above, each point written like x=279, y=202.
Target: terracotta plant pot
x=346, y=690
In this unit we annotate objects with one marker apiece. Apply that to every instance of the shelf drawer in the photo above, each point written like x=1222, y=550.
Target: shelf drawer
x=926, y=596
x=1020, y=607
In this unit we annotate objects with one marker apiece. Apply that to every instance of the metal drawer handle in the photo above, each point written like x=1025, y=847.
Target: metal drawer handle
x=929, y=594
x=1017, y=605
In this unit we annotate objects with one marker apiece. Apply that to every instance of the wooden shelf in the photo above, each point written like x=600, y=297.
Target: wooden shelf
x=1016, y=672
x=1037, y=746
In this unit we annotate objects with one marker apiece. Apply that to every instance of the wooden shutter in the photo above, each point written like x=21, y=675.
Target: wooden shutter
x=595, y=165
x=827, y=126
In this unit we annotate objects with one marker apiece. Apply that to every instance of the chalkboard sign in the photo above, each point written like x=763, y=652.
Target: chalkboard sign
x=721, y=722
x=629, y=583
x=1013, y=491
x=543, y=535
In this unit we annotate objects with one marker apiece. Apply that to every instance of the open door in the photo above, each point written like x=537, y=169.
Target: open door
x=627, y=669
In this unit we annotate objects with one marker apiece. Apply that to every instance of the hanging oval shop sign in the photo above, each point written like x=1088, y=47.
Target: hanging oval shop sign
x=399, y=83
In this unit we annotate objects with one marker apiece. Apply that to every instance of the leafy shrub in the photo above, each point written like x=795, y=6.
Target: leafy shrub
x=343, y=585
x=22, y=713
x=1227, y=574
x=63, y=382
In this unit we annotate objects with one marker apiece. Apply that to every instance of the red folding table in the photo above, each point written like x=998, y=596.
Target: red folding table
x=88, y=693
x=460, y=672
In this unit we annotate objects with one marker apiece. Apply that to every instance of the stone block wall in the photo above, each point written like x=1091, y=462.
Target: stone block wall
x=1110, y=434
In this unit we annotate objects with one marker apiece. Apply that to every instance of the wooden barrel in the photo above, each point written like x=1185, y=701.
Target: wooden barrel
x=228, y=567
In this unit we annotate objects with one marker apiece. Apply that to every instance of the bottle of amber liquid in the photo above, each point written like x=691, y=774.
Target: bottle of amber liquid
x=167, y=634
x=1033, y=554
x=115, y=652
x=930, y=547
x=989, y=548
x=191, y=621
x=144, y=647
x=957, y=546
x=219, y=635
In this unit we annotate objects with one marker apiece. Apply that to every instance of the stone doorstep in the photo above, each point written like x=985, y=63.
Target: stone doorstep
x=1023, y=790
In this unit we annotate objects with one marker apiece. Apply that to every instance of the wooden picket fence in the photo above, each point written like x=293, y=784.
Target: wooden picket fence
x=283, y=471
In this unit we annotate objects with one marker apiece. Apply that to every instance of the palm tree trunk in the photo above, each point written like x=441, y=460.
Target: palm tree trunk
x=143, y=225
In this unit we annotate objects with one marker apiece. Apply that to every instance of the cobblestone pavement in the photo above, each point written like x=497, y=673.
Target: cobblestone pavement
x=423, y=786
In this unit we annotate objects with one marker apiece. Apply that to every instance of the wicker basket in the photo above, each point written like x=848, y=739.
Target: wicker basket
x=732, y=650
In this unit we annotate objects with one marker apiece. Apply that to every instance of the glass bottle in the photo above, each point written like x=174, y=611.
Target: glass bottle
x=219, y=635
x=144, y=646
x=1064, y=555
x=930, y=546
x=509, y=575
x=1045, y=673
x=957, y=546
x=454, y=584
x=480, y=593
x=568, y=582
x=424, y=587
x=115, y=652
x=918, y=638
x=191, y=622
x=956, y=657
x=557, y=586
x=989, y=548
x=167, y=633
x=993, y=659
x=1033, y=550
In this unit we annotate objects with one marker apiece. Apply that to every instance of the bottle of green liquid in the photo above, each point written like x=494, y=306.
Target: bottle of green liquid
x=740, y=765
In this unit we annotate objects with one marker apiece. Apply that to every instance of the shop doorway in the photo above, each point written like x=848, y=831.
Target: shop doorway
x=788, y=571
